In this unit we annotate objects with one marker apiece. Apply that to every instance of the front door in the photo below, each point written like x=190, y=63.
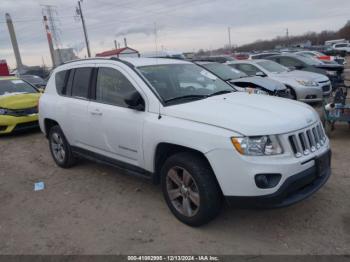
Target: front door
x=116, y=130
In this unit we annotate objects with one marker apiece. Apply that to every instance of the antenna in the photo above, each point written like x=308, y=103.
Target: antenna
x=156, y=38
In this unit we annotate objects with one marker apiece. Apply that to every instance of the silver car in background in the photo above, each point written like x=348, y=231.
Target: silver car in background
x=303, y=86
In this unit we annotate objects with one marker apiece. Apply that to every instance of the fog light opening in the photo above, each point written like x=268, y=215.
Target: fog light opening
x=267, y=180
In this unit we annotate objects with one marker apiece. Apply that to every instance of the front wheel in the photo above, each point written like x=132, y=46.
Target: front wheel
x=292, y=94
x=190, y=189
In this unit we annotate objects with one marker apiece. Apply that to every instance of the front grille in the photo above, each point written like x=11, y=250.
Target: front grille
x=28, y=125
x=326, y=88
x=323, y=82
x=308, y=140
x=22, y=112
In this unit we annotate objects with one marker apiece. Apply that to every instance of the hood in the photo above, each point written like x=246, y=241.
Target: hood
x=247, y=114
x=264, y=82
x=19, y=101
x=301, y=75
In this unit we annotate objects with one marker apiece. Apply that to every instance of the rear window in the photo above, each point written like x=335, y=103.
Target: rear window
x=81, y=82
x=61, y=81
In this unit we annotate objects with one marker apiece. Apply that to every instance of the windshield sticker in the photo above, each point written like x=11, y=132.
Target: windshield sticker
x=208, y=75
x=17, y=82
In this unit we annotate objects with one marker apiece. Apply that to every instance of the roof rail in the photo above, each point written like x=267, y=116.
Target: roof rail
x=100, y=58
x=83, y=59
x=122, y=61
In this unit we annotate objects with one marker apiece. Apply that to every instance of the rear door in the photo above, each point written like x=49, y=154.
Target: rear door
x=74, y=106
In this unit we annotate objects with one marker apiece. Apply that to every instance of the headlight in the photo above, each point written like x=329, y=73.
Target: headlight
x=255, y=91
x=257, y=145
x=307, y=83
x=3, y=111
x=331, y=73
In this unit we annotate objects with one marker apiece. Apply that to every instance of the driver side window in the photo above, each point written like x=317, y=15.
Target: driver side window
x=112, y=87
x=289, y=62
x=248, y=69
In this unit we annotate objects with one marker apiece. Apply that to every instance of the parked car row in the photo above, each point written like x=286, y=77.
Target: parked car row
x=181, y=125
x=303, y=86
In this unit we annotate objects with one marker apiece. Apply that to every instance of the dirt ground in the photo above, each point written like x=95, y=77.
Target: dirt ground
x=96, y=209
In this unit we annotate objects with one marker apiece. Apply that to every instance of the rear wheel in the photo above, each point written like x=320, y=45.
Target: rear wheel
x=60, y=148
x=190, y=189
x=292, y=93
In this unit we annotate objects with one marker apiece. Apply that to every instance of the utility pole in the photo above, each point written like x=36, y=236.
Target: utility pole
x=125, y=43
x=287, y=34
x=14, y=41
x=49, y=40
x=115, y=44
x=80, y=13
x=229, y=37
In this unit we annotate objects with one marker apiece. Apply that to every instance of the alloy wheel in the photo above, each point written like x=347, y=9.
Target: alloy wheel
x=57, y=146
x=182, y=191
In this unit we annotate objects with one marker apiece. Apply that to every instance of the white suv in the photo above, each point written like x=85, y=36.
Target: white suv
x=180, y=125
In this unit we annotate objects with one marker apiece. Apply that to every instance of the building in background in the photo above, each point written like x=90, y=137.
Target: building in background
x=120, y=52
x=63, y=55
x=4, y=70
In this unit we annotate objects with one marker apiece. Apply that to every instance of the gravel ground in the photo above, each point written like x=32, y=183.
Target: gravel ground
x=95, y=209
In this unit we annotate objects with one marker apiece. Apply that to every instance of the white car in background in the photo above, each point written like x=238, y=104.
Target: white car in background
x=342, y=47
x=303, y=86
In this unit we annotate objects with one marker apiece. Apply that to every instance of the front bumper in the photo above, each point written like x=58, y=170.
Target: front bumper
x=309, y=94
x=9, y=124
x=294, y=189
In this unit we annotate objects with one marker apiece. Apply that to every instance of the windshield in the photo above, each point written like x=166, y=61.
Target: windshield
x=272, y=67
x=15, y=86
x=224, y=72
x=183, y=80
x=33, y=79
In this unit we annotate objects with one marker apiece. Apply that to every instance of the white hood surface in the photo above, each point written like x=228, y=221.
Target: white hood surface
x=247, y=114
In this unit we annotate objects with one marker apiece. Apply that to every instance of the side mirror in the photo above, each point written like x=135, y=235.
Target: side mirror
x=260, y=74
x=135, y=101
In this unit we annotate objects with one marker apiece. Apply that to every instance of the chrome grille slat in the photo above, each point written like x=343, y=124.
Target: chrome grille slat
x=308, y=140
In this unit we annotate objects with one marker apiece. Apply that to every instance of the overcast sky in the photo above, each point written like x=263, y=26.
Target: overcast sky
x=182, y=25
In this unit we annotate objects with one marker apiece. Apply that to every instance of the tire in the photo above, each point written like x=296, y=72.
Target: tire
x=190, y=189
x=60, y=149
x=292, y=94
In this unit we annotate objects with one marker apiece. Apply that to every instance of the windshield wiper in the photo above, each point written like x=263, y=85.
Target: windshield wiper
x=220, y=93
x=190, y=97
